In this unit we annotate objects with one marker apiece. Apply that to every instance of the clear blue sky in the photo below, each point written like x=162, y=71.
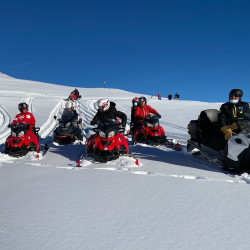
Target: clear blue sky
x=200, y=49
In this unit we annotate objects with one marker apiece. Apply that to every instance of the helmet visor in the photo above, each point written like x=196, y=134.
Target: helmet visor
x=234, y=95
x=104, y=106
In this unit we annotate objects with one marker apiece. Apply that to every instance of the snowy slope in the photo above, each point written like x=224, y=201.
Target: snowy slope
x=170, y=201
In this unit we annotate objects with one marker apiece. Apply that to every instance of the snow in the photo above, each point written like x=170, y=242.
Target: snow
x=172, y=200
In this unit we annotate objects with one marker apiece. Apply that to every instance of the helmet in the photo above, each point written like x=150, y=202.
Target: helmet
x=68, y=105
x=236, y=92
x=22, y=106
x=143, y=99
x=136, y=99
x=104, y=104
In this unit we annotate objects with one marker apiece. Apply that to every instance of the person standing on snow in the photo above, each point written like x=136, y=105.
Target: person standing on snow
x=107, y=110
x=143, y=110
x=176, y=96
x=26, y=118
x=169, y=96
x=159, y=96
x=234, y=114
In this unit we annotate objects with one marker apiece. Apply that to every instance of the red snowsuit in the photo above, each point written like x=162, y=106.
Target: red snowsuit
x=159, y=96
x=26, y=118
x=143, y=111
x=73, y=96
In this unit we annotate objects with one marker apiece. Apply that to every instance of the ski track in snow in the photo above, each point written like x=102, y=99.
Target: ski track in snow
x=48, y=127
x=4, y=122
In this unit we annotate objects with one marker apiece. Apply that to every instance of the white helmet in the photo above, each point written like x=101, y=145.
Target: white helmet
x=104, y=104
x=68, y=105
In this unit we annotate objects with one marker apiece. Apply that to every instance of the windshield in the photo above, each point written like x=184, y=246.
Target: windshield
x=67, y=115
x=107, y=125
x=151, y=122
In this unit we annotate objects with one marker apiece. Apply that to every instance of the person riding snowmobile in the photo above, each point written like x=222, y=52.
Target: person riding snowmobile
x=107, y=110
x=135, y=103
x=234, y=115
x=69, y=113
x=26, y=118
x=143, y=110
x=70, y=116
x=74, y=95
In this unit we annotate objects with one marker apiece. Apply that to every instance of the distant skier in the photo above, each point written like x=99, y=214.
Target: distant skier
x=169, y=96
x=234, y=115
x=107, y=110
x=159, y=96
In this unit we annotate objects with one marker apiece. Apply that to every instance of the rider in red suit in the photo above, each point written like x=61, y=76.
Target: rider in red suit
x=26, y=117
x=143, y=110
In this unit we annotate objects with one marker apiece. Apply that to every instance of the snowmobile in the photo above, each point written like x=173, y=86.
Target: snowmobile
x=19, y=143
x=107, y=143
x=68, y=131
x=150, y=132
x=74, y=95
x=232, y=155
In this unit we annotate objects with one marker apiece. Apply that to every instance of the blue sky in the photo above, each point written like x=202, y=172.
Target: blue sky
x=199, y=49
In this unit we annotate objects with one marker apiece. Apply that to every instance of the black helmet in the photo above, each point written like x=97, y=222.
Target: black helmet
x=22, y=106
x=143, y=99
x=236, y=92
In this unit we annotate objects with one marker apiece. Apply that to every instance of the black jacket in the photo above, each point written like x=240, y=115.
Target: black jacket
x=230, y=113
x=111, y=113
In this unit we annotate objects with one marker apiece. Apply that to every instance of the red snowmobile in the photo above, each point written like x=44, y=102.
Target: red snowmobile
x=150, y=132
x=107, y=144
x=19, y=143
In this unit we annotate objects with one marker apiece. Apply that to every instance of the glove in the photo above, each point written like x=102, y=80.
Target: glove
x=227, y=131
x=92, y=123
x=234, y=126
x=158, y=115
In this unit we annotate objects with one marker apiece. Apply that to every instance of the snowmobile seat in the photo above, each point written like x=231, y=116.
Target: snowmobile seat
x=210, y=133
x=193, y=130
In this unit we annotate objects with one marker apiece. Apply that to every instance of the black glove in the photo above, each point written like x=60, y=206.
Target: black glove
x=91, y=123
x=158, y=115
x=9, y=126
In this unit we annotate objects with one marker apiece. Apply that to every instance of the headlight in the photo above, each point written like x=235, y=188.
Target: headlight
x=111, y=134
x=156, y=124
x=102, y=134
x=67, y=124
x=13, y=134
x=150, y=125
x=21, y=134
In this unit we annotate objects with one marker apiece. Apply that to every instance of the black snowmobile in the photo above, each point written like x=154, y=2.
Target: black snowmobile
x=233, y=155
x=69, y=129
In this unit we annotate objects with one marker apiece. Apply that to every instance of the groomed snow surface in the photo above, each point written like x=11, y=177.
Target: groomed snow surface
x=172, y=200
